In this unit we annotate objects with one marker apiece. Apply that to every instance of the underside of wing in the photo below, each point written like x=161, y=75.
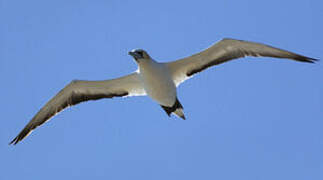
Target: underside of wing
x=223, y=51
x=81, y=91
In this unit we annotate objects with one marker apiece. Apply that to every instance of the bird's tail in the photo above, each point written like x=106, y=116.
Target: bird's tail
x=177, y=109
x=179, y=112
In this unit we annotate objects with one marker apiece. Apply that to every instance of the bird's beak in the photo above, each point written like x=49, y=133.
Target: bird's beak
x=131, y=53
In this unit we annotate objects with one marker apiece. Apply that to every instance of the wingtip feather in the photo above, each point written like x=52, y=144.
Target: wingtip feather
x=306, y=59
x=313, y=60
x=16, y=140
x=22, y=135
x=13, y=142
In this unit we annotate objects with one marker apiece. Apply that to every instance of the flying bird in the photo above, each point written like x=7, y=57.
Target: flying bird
x=155, y=79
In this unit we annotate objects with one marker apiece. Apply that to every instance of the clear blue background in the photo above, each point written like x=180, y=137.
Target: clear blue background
x=246, y=119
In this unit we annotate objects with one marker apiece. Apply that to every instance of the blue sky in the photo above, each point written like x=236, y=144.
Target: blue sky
x=246, y=119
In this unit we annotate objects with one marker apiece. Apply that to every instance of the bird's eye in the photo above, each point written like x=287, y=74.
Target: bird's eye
x=140, y=53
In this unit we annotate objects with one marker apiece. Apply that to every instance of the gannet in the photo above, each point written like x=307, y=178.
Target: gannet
x=156, y=79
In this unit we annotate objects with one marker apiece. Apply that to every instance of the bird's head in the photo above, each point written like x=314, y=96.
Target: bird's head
x=139, y=54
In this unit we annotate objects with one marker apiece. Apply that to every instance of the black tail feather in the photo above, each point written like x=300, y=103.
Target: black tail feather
x=170, y=110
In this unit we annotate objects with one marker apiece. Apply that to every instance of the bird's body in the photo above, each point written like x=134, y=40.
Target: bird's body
x=157, y=80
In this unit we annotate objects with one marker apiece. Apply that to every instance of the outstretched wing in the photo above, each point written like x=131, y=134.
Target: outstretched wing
x=79, y=91
x=223, y=51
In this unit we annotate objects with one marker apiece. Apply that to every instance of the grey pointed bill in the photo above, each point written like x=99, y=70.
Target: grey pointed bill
x=157, y=80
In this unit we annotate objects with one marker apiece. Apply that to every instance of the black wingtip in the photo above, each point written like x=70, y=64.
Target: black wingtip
x=17, y=139
x=22, y=135
x=307, y=59
x=312, y=60
x=14, y=141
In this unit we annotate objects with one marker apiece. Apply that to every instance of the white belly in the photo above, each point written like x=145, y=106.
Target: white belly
x=158, y=83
